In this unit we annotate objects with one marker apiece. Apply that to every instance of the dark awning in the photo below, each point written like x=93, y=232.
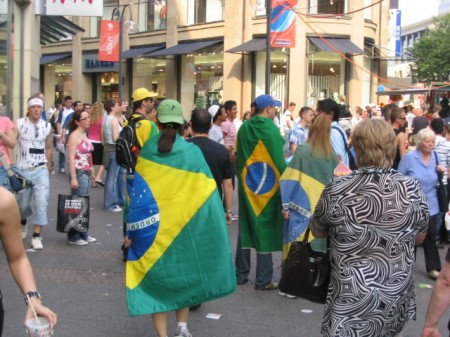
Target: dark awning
x=343, y=45
x=183, y=48
x=56, y=28
x=135, y=52
x=250, y=46
x=46, y=59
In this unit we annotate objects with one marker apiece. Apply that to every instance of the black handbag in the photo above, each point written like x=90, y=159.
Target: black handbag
x=73, y=212
x=441, y=191
x=306, y=272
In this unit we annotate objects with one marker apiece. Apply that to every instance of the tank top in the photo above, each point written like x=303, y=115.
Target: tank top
x=32, y=137
x=107, y=130
x=83, y=155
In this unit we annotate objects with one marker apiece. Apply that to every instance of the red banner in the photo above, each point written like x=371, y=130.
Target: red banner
x=109, y=41
x=283, y=20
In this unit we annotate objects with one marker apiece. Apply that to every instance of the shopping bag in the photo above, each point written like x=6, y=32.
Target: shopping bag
x=73, y=212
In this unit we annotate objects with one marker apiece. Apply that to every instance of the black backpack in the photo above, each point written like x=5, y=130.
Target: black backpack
x=351, y=159
x=127, y=147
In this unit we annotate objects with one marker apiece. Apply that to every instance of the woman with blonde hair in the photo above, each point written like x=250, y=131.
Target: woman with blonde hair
x=95, y=137
x=423, y=164
x=373, y=218
x=310, y=169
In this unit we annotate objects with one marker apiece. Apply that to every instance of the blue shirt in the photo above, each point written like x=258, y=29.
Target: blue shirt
x=298, y=134
x=413, y=165
x=339, y=141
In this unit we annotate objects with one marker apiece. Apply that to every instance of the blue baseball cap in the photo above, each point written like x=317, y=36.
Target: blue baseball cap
x=263, y=101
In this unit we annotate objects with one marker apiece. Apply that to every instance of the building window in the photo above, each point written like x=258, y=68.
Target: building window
x=150, y=73
x=202, y=77
x=202, y=11
x=327, y=6
x=326, y=75
x=156, y=11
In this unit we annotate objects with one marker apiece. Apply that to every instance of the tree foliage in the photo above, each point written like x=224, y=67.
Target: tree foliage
x=432, y=53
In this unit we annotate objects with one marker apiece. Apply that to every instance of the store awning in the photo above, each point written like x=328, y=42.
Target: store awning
x=183, y=48
x=57, y=28
x=46, y=59
x=249, y=46
x=343, y=45
x=136, y=52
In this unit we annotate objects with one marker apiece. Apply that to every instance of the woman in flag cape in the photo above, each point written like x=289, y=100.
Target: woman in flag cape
x=301, y=184
x=180, y=253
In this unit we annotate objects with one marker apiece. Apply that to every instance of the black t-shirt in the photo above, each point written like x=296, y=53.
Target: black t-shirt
x=216, y=157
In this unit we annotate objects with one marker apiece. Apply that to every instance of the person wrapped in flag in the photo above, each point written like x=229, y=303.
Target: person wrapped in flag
x=180, y=251
x=302, y=183
x=260, y=165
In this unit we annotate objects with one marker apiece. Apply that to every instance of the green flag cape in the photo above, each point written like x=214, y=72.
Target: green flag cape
x=180, y=253
x=301, y=185
x=260, y=165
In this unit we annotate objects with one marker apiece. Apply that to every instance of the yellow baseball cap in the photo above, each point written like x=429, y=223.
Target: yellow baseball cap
x=142, y=93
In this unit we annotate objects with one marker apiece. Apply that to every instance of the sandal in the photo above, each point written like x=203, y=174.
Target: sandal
x=99, y=182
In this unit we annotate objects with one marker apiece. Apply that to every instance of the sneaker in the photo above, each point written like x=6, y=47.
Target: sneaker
x=270, y=286
x=115, y=209
x=90, y=239
x=234, y=217
x=183, y=332
x=286, y=295
x=36, y=243
x=433, y=274
x=24, y=231
x=62, y=170
x=79, y=242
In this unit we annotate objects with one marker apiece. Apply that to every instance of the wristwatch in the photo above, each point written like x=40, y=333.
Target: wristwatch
x=33, y=293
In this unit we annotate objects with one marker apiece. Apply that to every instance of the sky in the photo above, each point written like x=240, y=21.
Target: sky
x=418, y=10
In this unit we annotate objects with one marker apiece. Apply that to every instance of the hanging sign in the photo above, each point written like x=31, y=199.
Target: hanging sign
x=283, y=19
x=109, y=41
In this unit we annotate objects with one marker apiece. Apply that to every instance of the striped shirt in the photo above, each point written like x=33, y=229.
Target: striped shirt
x=442, y=148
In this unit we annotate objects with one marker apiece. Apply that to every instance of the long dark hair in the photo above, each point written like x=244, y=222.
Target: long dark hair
x=75, y=117
x=168, y=135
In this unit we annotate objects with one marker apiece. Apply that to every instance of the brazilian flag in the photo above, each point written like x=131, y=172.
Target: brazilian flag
x=180, y=253
x=301, y=185
x=260, y=165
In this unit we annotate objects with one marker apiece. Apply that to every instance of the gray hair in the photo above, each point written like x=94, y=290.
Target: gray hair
x=423, y=134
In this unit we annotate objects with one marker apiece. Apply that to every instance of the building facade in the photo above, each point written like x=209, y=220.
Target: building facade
x=203, y=52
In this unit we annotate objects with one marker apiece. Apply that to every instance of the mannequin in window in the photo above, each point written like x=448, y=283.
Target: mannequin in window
x=163, y=16
x=321, y=95
x=336, y=97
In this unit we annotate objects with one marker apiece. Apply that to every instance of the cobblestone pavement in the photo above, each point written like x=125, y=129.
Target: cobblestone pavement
x=85, y=287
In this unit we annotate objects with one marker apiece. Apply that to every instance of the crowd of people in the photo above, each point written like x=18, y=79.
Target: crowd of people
x=286, y=167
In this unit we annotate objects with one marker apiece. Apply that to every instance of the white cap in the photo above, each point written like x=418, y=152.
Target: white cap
x=35, y=101
x=213, y=110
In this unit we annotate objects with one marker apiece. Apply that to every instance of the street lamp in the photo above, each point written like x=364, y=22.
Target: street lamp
x=131, y=28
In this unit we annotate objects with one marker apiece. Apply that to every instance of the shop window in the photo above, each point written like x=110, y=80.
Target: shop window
x=278, y=73
x=156, y=14
x=202, y=11
x=202, y=77
x=327, y=6
x=4, y=65
x=150, y=73
x=326, y=75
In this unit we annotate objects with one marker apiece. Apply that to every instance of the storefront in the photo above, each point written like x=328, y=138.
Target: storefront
x=105, y=77
x=6, y=64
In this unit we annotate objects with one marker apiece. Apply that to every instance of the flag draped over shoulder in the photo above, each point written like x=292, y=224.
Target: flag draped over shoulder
x=260, y=165
x=301, y=185
x=180, y=253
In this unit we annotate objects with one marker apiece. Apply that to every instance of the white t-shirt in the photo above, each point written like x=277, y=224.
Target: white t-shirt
x=216, y=134
x=32, y=138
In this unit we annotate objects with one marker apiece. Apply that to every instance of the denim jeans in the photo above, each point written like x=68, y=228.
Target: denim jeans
x=4, y=181
x=61, y=160
x=264, y=266
x=111, y=197
x=121, y=186
x=40, y=191
x=84, y=182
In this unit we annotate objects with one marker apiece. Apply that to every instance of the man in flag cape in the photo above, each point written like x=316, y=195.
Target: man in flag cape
x=260, y=165
x=180, y=251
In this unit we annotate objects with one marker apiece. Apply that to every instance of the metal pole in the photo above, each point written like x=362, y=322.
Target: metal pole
x=269, y=28
x=120, y=55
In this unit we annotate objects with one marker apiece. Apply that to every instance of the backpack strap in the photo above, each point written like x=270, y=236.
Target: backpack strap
x=347, y=148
